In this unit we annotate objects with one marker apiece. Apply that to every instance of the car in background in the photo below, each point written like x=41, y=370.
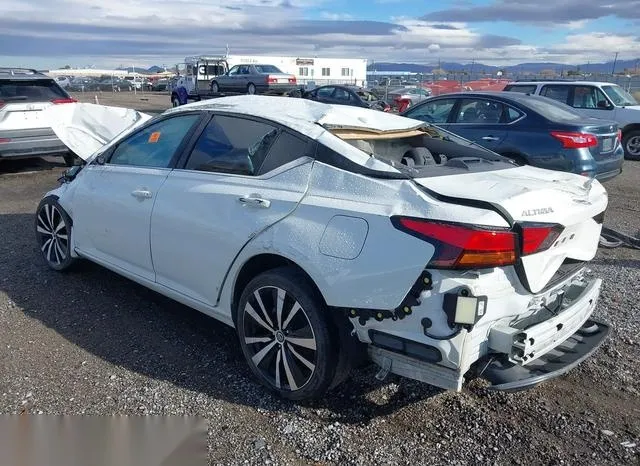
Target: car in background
x=63, y=81
x=273, y=222
x=354, y=96
x=530, y=130
x=114, y=85
x=161, y=84
x=406, y=97
x=255, y=79
x=603, y=100
x=82, y=84
x=24, y=132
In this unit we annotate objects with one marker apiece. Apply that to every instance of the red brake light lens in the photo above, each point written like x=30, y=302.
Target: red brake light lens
x=571, y=140
x=2, y=103
x=619, y=135
x=539, y=238
x=462, y=246
x=64, y=101
x=292, y=80
x=272, y=80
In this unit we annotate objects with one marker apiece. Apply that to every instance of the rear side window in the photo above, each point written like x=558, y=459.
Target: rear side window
x=556, y=92
x=284, y=150
x=40, y=90
x=512, y=115
x=232, y=145
x=523, y=89
x=325, y=92
x=479, y=111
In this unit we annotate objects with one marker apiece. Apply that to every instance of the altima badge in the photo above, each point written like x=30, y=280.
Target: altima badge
x=540, y=211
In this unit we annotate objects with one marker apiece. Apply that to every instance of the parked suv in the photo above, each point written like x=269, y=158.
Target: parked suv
x=599, y=100
x=24, y=133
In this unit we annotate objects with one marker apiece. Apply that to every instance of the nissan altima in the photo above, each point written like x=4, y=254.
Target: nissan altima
x=326, y=235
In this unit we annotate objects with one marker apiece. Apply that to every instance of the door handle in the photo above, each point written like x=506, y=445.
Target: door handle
x=255, y=201
x=490, y=138
x=142, y=194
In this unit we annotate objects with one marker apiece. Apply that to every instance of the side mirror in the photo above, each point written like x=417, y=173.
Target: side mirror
x=70, y=174
x=604, y=105
x=100, y=160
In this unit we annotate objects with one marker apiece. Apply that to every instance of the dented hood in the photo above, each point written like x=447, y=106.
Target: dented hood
x=84, y=128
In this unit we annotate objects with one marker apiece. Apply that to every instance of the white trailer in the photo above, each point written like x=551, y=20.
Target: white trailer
x=319, y=71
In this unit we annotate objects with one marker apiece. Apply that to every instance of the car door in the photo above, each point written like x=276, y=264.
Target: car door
x=559, y=92
x=342, y=96
x=434, y=111
x=591, y=101
x=114, y=200
x=479, y=120
x=324, y=94
x=227, y=82
x=242, y=176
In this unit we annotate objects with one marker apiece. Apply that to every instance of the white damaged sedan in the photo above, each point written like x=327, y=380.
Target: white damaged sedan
x=328, y=234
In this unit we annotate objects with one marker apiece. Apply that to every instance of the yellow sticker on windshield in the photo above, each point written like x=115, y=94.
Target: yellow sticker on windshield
x=153, y=137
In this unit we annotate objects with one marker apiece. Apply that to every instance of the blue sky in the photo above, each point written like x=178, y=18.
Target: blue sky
x=52, y=33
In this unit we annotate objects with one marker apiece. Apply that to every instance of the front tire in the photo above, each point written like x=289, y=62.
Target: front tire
x=631, y=145
x=53, y=234
x=175, y=102
x=285, y=335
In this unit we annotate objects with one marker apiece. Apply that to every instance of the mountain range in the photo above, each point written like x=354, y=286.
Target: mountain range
x=537, y=67
x=452, y=67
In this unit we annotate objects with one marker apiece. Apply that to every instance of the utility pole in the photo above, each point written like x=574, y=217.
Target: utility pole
x=615, y=60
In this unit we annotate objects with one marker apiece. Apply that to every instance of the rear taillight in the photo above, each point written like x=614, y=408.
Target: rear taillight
x=459, y=246
x=64, y=101
x=538, y=238
x=619, y=134
x=292, y=80
x=271, y=80
x=2, y=103
x=571, y=140
x=2, y=140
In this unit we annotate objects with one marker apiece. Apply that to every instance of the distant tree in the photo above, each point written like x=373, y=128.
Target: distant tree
x=67, y=67
x=573, y=73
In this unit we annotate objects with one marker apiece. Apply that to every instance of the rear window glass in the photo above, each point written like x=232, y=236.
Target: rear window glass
x=552, y=110
x=524, y=89
x=267, y=69
x=41, y=90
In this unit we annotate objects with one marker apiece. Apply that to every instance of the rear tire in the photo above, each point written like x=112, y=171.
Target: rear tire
x=285, y=334
x=631, y=145
x=215, y=88
x=518, y=159
x=175, y=102
x=53, y=233
x=251, y=89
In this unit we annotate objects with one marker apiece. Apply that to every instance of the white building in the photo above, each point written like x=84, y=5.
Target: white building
x=319, y=70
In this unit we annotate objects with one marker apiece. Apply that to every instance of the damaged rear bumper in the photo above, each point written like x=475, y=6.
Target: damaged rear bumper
x=508, y=376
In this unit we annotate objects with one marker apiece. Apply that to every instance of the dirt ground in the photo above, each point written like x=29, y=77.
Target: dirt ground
x=152, y=102
x=91, y=342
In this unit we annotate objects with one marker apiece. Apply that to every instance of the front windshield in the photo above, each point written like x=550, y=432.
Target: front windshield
x=619, y=96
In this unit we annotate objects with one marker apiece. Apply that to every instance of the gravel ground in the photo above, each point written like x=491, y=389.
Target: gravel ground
x=91, y=342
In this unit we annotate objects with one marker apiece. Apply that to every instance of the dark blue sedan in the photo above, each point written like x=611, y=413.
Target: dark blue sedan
x=531, y=130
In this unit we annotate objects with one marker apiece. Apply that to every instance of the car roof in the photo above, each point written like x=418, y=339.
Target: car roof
x=551, y=81
x=500, y=95
x=306, y=116
x=21, y=74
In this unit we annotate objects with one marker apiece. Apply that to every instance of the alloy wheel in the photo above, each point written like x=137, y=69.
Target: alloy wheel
x=633, y=146
x=53, y=235
x=279, y=337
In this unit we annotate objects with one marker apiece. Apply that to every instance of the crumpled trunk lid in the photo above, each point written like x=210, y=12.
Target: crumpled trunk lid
x=531, y=195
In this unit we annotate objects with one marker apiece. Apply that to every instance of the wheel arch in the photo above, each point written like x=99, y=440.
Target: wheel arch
x=261, y=263
x=630, y=127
